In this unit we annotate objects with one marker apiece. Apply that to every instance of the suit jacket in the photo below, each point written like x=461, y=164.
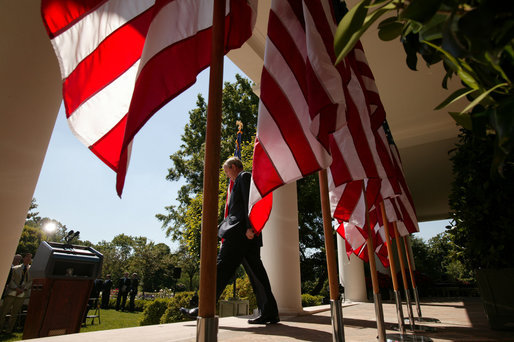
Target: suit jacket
x=124, y=285
x=107, y=285
x=21, y=280
x=236, y=223
x=134, y=283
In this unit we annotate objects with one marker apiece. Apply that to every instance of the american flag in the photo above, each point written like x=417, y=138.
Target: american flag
x=122, y=60
x=347, y=201
x=302, y=100
x=313, y=115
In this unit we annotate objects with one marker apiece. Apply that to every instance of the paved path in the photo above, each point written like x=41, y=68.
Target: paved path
x=459, y=321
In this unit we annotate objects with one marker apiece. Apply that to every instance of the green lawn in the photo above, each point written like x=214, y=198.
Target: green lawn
x=110, y=319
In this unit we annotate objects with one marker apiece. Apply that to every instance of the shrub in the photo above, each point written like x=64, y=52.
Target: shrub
x=310, y=300
x=154, y=311
x=140, y=304
x=172, y=311
x=244, y=291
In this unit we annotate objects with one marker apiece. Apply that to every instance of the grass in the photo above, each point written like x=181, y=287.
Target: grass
x=110, y=319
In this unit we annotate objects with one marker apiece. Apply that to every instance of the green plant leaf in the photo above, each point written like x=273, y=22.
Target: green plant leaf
x=350, y=24
x=457, y=66
x=433, y=29
x=421, y=10
x=370, y=19
x=390, y=31
x=462, y=119
x=483, y=96
x=455, y=96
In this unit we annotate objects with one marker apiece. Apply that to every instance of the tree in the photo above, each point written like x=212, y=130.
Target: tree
x=32, y=216
x=31, y=238
x=182, y=223
x=152, y=262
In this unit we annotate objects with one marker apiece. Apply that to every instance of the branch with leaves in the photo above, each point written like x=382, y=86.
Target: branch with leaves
x=474, y=39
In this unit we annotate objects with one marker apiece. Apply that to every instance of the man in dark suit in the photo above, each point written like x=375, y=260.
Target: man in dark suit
x=123, y=290
x=240, y=245
x=106, y=291
x=134, y=283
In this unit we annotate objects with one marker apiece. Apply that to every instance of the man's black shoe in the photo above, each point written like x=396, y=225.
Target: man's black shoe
x=193, y=313
x=264, y=320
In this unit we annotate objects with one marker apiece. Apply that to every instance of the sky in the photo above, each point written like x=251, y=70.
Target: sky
x=78, y=190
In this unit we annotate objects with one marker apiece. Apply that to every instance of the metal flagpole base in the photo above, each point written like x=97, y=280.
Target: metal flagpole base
x=418, y=306
x=380, y=317
x=207, y=329
x=421, y=328
x=409, y=309
x=407, y=338
x=336, y=312
x=399, y=311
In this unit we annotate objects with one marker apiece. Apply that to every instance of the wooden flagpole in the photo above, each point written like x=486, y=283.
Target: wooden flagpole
x=392, y=266
x=412, y=278
x=335, y=301
x=207, y=324
x=404, y=276
x=374, y=277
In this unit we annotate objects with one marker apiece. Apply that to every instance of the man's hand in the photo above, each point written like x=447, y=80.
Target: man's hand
x=250, y=234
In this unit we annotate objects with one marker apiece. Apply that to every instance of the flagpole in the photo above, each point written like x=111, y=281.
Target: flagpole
x=392, y=266
x=412, y=278
x=379, y=313
x=207, y=322
x=335, y=301
x=404, y=276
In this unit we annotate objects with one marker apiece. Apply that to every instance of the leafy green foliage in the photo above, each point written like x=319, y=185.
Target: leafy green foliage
x=436, y=259
x=152, y=262
x=154, y=311
x=310, y=300
x=481, y=205
x=473, y=38
x=30, y=240
x=172, y=312
x=244, y=291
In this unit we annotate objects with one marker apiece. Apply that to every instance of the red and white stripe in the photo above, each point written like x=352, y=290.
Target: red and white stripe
x=301, y=103
x=122, y=60
x=384, y=183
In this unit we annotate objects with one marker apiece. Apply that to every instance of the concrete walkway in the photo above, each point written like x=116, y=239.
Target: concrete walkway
x=458, y=321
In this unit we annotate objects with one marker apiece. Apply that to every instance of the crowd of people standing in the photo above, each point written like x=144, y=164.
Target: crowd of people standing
x=127, y=287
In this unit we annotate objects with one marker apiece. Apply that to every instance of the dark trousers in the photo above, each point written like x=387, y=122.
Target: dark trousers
x=105, y=299
x=234, y=252
x=122, y=296
x=132, y=299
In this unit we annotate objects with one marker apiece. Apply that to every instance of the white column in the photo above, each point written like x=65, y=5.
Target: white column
x=30, y=95
x=351, y=274
x=280, y=252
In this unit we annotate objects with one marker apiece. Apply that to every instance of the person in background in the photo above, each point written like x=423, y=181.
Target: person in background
x=18, y=289
x=134, y=283
x=123, y=289
x=15, y=262
x=106, y=292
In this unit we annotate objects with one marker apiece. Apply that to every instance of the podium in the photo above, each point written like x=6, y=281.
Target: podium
x=63, y=277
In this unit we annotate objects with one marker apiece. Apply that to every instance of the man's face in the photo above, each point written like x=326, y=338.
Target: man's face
x=16, y=260
x=27, y=259
x=231, y=171
x=125, y=275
